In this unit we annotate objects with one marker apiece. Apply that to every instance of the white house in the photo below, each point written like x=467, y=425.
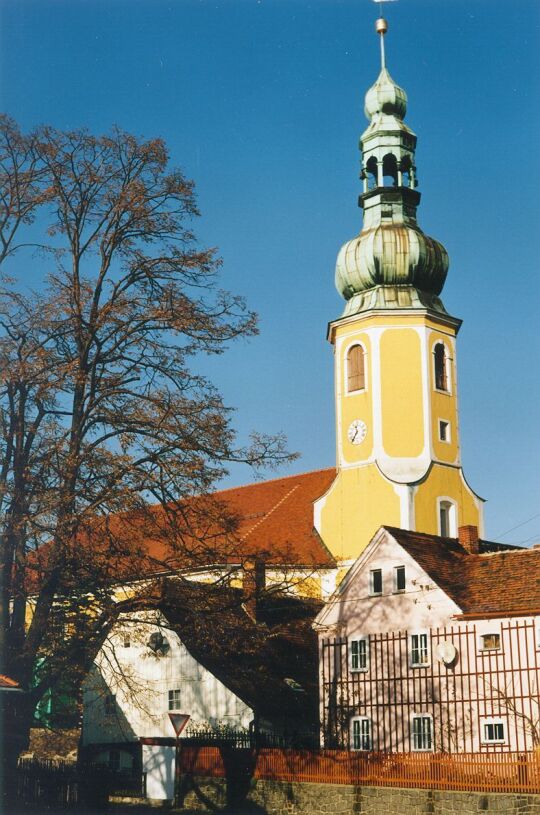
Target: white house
x=199, y=651
x=433, y=644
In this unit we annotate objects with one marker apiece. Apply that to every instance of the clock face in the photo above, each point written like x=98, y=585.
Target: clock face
x=357, y=431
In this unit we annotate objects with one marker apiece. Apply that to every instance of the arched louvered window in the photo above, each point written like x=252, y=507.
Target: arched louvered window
x=441, y=372
x=356, y=375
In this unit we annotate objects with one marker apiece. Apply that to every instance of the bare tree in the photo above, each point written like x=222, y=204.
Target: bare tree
x=100, y=411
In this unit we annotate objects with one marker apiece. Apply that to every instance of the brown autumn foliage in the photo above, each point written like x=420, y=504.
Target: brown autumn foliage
x=101, y=411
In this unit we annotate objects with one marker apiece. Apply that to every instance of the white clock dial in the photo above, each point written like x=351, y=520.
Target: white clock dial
x=357, y=431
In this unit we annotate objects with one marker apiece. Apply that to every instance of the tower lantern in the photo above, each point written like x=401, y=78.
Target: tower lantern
x=397, y=428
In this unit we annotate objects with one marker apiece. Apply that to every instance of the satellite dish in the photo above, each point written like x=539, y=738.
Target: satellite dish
x=158, y=643
x=446, y=652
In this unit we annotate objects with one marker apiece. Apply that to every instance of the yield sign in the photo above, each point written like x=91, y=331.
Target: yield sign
x=179, y=721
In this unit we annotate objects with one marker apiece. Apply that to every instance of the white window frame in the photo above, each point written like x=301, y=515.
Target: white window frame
x=174, y=695
x=429, y=717
x=346, y=369
x=362, y=720
x=488, y=649
x=359, y=669
x=448, y=427
x=418, y=649
x=450, y=505
x=373, y=593
x=396, y=589
x=492, y=721
x=447, y=367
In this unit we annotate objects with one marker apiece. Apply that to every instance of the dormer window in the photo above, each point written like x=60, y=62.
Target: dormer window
x=356, y=373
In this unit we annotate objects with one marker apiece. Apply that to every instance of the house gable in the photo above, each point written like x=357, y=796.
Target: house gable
x=355, y=608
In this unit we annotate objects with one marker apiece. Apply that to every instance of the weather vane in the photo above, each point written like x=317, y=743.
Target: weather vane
x=381, y=27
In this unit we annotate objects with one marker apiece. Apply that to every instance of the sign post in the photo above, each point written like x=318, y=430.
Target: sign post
x=178, y=721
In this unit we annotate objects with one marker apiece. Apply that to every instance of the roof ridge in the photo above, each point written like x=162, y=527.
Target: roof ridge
x=270, y=511
x=272, y=480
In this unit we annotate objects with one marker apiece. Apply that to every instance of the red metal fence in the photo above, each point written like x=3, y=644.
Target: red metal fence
x=483, y=772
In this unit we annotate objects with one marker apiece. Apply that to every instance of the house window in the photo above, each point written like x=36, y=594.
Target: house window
x=444, y=430
x=361, y=733
x=375, y=581
x=356, y=376
x=422, y=735
x=493, y=731
x=114, y=760
x=359, y=654
x=126, y=641
x=419, y=650
x=110, y=704
x=447, y=519
x=174, y=699
x=399, y=578
x=490, y=642
x=440, y=361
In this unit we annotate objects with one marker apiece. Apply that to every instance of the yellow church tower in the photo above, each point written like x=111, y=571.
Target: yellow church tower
x=397, y=421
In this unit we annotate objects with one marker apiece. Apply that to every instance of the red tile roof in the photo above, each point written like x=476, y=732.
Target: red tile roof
x=489, y=582
x=268, y=519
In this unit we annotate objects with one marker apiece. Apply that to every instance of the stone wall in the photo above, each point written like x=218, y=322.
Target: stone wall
x=286, y=798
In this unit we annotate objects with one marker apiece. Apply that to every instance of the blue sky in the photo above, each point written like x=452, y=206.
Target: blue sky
x=261, y=103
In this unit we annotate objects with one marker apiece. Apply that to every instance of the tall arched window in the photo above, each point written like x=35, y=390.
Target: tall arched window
x=441, y=373
x=447, y=519
x=356, y=375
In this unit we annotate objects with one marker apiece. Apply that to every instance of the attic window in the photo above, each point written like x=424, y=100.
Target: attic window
x=399, y=579
x=110, y=704
x=490, y=642
x=375, y=581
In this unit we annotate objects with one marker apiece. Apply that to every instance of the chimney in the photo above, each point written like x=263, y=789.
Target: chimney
x=468, y=538
x=253, y=585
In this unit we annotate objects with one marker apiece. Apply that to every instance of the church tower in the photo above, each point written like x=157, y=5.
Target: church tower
x=397, y=421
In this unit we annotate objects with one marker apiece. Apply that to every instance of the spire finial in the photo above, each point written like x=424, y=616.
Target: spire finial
x=381, y=27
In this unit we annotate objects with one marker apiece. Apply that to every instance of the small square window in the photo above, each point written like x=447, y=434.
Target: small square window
x=419, y=650
x=490, y=642
x=422, y=736
x=493, y=731
x=375, y=581
x=359, y=654
x=444, y=430
x=361, y=733
x=399, y=578
x=174, y=699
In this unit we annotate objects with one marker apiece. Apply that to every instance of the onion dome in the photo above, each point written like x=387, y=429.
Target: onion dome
x=385, y=96
x=391, y=255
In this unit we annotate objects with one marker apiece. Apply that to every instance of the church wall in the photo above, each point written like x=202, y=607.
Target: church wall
x=359, y=501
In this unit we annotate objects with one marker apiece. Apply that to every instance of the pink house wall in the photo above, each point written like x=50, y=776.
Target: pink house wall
x=478, y=686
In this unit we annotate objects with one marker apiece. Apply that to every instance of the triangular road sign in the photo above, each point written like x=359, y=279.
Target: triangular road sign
x=179, y=721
